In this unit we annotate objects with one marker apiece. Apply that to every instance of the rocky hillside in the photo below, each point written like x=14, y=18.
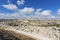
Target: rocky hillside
x=38, y=29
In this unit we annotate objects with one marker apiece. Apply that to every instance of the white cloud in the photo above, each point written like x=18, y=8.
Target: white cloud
x=58, y=12
x=9, y=16
x=46, y=12
x=53, y=16
x=38, y=11
x=10, y=6
x=43, y=14
x=20, y=2
x=19, y=14
x=26, y=10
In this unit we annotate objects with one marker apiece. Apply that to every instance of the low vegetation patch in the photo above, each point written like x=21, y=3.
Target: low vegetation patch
x=12, y=24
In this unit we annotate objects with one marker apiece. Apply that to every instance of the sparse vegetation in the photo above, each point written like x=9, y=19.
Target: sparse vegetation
x=12, y=24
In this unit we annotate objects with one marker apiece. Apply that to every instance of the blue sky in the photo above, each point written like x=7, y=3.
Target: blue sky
x=29, y=9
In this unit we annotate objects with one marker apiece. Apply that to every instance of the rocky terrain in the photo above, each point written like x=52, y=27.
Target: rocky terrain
x=35, y=29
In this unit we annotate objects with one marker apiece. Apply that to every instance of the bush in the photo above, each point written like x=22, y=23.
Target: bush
x=13, y=24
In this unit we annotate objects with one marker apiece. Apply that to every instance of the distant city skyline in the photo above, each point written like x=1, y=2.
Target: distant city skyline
x=15, y=9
